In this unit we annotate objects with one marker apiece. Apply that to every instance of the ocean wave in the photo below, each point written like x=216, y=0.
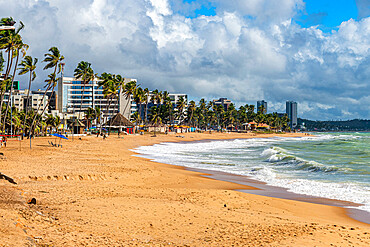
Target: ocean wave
x=279, y=156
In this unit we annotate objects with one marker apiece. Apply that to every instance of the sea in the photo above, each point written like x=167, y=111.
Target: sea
x=328, y=165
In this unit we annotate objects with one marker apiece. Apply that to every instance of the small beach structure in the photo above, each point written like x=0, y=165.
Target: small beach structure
x=78, y=127
x=158, y=128
x=120, y=123
x=252, y=125
x=263, y=126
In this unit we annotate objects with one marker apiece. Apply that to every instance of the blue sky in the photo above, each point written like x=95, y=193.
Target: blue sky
x=328, y=14
x=316, y=53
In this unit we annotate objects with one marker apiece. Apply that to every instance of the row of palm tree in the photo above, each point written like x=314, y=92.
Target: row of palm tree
x=205, y=115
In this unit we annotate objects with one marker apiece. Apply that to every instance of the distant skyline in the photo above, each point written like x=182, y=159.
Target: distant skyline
x=314, y=52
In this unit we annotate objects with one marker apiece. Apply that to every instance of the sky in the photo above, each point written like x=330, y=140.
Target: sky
x=315, y=52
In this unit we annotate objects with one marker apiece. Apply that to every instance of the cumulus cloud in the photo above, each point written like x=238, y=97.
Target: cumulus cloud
x=250, y=50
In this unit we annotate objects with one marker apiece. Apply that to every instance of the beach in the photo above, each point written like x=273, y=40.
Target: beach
x=95, y=192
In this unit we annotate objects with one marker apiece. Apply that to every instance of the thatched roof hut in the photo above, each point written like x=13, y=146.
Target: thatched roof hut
x=118, y=121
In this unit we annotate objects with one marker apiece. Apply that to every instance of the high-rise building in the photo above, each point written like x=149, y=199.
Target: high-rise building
x=72, y=92
x=262, y=103
x=291, y=110
x=222, y=101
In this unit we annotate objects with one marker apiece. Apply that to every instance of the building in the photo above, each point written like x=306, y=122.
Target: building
x=291, y=110
x=222, y=101
x=72, y=92
x=52, y=95
x=262, y=103
x=19, y=100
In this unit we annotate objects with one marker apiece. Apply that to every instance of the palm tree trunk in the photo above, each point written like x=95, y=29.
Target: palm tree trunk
x=38, y=108
x=34, y=118
x=113, y=116
x=11, y=91
x=46, y=106
x=106, y=118
x=82, y=98
x=9, y=65
x=27, y=103
x=128, y=101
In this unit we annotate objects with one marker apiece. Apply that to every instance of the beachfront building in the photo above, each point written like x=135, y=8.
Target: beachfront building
x=19, y=100
x=222, y=101
x=72, y=92
x=291, y=110
x=262, y=103
x=52, y=95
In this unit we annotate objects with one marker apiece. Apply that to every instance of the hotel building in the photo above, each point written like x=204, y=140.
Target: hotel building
x=222, y=101
x=291, y=110
x=71, y=93
x=262, y=103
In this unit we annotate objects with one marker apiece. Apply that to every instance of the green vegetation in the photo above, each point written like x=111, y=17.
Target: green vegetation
x=348, y=125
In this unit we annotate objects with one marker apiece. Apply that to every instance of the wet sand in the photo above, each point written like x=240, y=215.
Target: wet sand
x=95, y=192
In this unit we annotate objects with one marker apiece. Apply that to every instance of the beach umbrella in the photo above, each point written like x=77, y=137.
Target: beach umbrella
x=60, y=136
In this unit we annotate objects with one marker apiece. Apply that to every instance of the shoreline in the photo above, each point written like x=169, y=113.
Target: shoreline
x=261, y=188
x=95, y=192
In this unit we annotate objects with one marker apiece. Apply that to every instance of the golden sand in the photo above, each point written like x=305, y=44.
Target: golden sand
x=94, y=192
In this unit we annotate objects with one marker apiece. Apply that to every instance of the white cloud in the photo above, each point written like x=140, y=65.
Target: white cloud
x=250, y=50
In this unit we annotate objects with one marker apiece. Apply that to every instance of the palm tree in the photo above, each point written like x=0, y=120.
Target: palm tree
x=28, y=65
x=110, y=89
x=97, y=115
x=190, y=114
x=54, y=60
x=2, y=60
x=139, y=99
x=85, y=73
x=18, y=47
x=155, y=117
x=89, y=115
x=129, y=90
x=157, y=97
x=146, y=100
x=181, y=104
x=11, y=41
